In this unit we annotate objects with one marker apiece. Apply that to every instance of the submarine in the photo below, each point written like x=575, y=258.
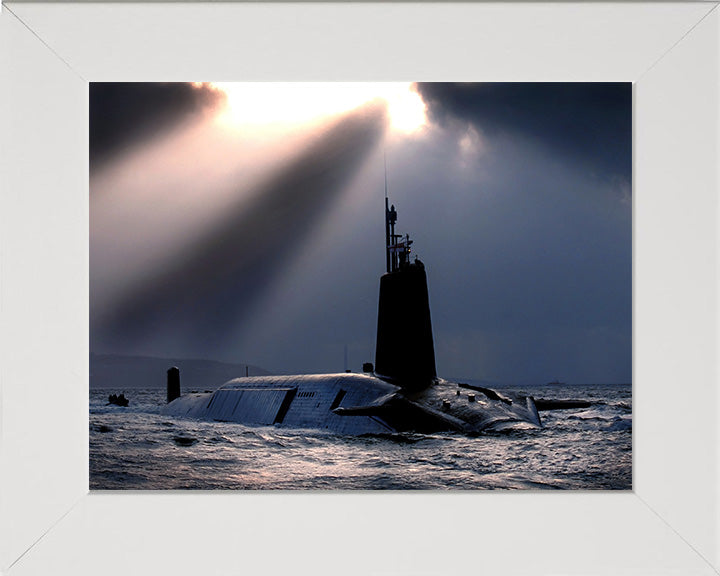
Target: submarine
x=400, y=393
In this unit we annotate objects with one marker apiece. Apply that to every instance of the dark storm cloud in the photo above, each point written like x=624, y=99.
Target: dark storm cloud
x=589, y=123
x=121, y=113
x=207, y=293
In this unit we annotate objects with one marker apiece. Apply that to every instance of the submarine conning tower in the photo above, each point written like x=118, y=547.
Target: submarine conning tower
x=404, y=353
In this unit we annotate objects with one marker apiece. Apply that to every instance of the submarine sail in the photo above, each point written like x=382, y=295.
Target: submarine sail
x=402, y=393
x=404, y=352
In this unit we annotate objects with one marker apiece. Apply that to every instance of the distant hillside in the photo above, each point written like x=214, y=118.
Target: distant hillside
x=122, y=372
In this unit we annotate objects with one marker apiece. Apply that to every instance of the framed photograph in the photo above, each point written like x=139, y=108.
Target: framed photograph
x=52, y=57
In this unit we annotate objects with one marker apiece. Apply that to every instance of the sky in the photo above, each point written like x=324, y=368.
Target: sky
x=245, y=223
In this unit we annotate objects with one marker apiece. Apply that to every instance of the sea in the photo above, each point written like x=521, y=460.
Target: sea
x=137, y=448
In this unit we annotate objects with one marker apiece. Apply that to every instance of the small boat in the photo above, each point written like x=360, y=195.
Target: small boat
x=117, y=400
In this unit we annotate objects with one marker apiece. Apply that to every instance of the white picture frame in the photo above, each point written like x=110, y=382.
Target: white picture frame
x=51, y=524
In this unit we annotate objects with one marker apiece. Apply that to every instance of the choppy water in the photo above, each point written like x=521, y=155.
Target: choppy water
x=137, y=448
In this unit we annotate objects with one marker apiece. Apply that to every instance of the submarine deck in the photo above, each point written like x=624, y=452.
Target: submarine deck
x=356, y=404
x=304, y=401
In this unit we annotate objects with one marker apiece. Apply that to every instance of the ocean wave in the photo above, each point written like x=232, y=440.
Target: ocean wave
x=138, y=448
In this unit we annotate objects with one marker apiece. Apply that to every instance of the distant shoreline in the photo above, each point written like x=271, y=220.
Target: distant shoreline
x=118, y=372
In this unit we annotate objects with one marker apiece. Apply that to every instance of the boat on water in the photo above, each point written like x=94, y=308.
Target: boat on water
x=400, y=393
x=118, y=400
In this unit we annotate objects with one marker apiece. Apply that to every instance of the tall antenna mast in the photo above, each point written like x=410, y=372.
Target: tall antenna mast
x=387, y=219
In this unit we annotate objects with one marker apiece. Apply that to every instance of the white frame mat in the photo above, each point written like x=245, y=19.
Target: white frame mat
x=50, y=524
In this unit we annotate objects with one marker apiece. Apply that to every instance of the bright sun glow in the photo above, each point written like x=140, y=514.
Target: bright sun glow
x=294, y=103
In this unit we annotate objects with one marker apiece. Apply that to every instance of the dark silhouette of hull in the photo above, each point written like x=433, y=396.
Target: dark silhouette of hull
x=355, y=404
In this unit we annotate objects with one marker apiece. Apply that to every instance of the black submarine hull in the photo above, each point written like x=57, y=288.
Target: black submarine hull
x=355, y=404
